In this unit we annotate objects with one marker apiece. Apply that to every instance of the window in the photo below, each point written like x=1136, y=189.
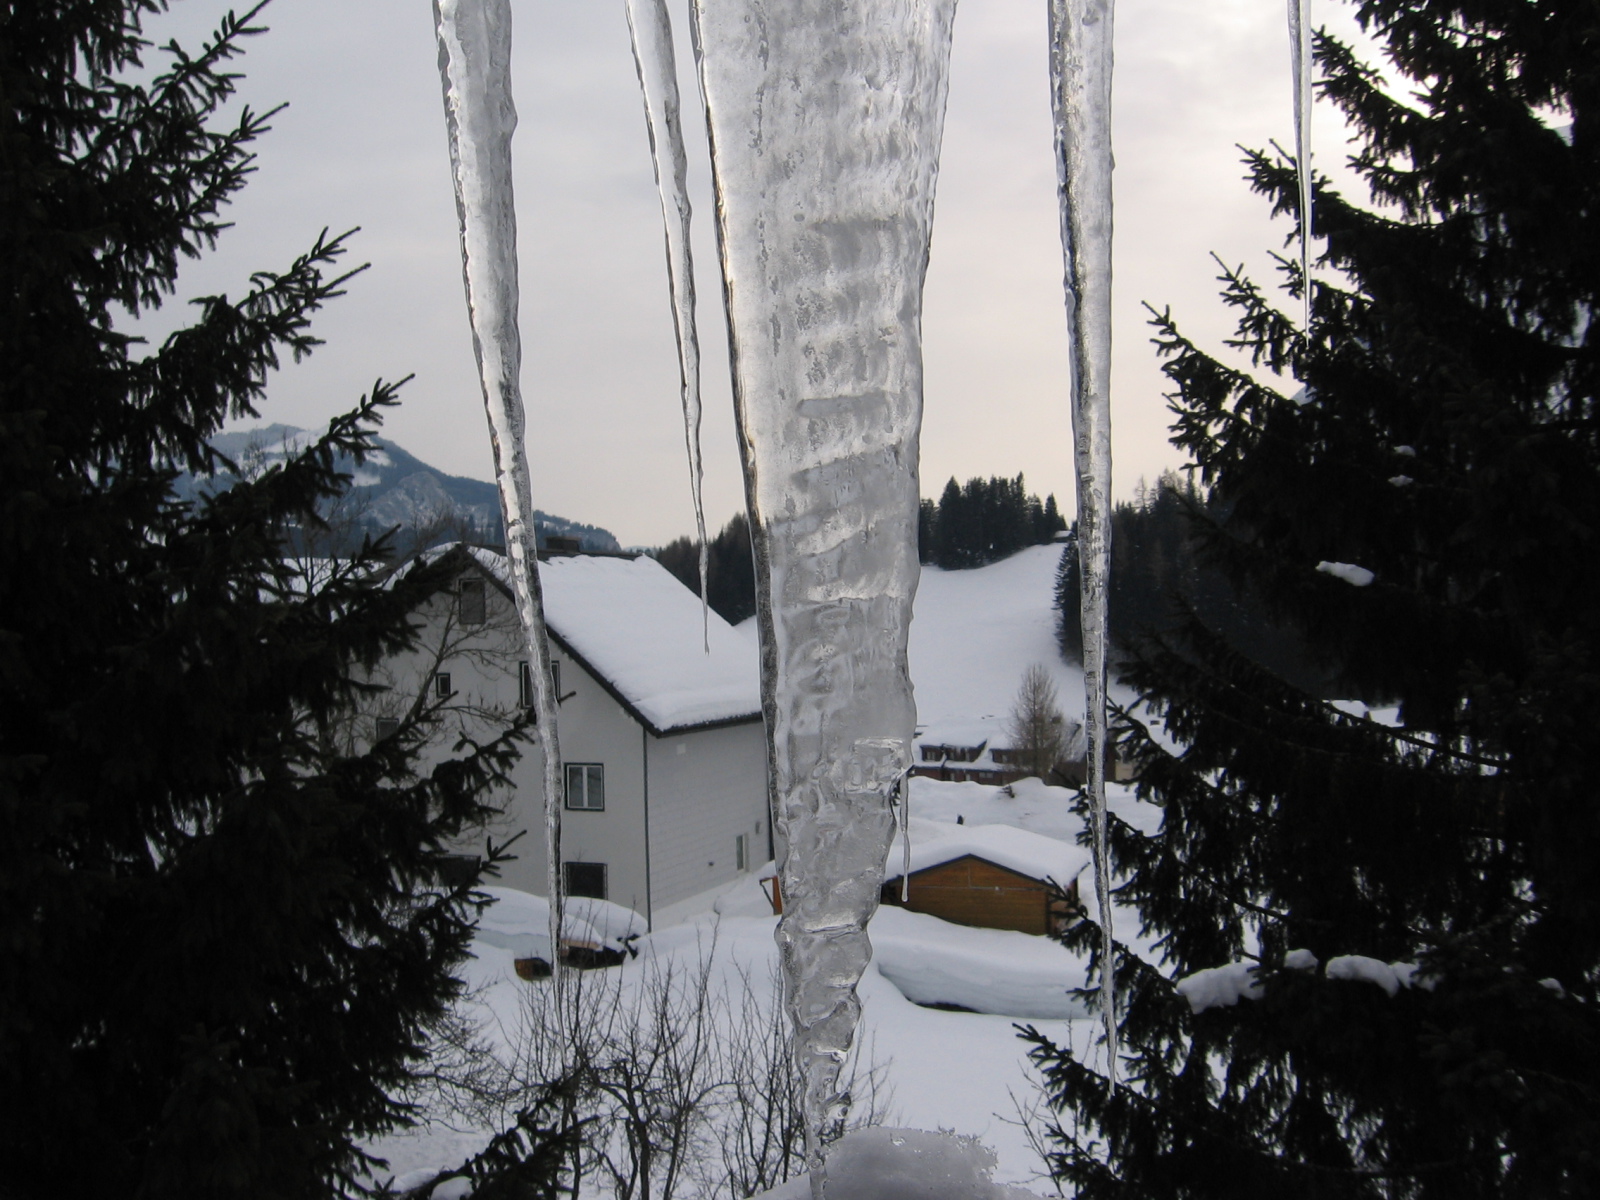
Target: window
x=525, y=683
x=441, y=685
x=584, y=879
x=387, y=727
x=472, y=602
x=740, y=862
x=586, y=787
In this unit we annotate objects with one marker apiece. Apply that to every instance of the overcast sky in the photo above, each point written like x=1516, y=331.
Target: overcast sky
x=362, y=143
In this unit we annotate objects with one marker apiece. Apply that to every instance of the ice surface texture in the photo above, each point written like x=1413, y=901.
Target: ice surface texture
x=475, y=69
x=650, y=27
x=1080, y=88
x=1300, y=56
x=825, y=121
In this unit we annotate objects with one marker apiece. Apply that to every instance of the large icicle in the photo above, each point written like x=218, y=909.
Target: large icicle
x=651, y=30
x=825, y=121
x=475, y=69
x=1080, y=85
x=1300, y=53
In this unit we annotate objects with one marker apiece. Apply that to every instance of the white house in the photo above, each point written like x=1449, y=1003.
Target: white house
x=660, y=729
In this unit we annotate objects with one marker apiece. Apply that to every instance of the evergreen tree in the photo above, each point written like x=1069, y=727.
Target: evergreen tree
x=1447, y=444
x=984, y=521
x=927, y=520
x=1161, y=574
x=730, y=569
x=733, y=573
x=955, y=532
x=221, y=939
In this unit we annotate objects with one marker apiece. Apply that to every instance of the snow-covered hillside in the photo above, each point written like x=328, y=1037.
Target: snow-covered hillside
x=975, y=632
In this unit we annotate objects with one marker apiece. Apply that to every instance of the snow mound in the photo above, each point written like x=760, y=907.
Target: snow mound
x=1353, y=575
x=996, y=971
x=1391, y=977
x=905, y=1164
x=1026, y=804
x=1220, y=986
x=520, y=922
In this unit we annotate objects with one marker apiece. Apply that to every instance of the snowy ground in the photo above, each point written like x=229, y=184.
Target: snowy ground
x=959, y=1071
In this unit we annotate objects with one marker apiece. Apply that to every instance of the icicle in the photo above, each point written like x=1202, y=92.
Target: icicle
x=1300, y=52
x=898, y=794
x=475, y=69
x=650, y=26
x=824, y=121
x=905, y=820
x=1080, y=84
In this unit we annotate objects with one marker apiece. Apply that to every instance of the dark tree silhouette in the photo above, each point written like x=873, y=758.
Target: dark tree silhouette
x=1425, y=516
x=222, y=939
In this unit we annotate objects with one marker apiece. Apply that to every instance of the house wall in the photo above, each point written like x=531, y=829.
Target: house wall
x=972, y=891
x=483, y=664
x=595, y=728
x=482, y=661
x=706, y=788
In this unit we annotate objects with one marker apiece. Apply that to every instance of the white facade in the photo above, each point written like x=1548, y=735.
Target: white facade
x=662, y=743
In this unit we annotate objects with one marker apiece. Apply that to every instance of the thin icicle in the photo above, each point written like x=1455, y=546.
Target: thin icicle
x=1300, y=53
x=650, y=26
x=1080, y=85
x=475, y=69
x=898, y=793
x=825, y=121
x=905, y=822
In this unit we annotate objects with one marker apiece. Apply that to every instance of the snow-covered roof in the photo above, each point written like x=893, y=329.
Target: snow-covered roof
x=638, y=630
x=1030, y=854
x=958, y=731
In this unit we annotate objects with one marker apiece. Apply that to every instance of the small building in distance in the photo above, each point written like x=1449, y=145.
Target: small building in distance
x=664, y=768
x=978, y=751
x=991, y=877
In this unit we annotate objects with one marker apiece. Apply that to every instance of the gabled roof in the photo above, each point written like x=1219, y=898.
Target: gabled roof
x=1031, y=854
x=635, y=628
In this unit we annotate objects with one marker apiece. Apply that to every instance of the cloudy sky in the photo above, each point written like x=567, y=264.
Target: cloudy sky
x=362, y=143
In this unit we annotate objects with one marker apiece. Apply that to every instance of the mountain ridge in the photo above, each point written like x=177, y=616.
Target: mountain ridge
x=393, y=489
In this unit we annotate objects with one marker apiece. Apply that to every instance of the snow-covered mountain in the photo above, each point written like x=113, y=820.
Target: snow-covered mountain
x=395, y=488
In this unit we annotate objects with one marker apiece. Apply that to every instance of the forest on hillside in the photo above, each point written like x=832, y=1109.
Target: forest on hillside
x=1161, y=574
x=970, y=525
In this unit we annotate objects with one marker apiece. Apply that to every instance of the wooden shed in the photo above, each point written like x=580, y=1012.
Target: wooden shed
x=972, y=891
x=990, y=877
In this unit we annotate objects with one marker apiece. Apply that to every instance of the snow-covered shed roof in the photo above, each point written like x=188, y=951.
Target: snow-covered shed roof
x=962, y=731
x=1031, y=854
x=635, y=628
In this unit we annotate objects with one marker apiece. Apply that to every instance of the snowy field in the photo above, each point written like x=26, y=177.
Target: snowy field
x=941, y=1070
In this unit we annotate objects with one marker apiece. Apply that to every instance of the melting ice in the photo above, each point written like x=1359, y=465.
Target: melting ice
x=475, y=69
x=650, y=27
x=1080, y=87
x=1300, y=53
x=825, y=122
